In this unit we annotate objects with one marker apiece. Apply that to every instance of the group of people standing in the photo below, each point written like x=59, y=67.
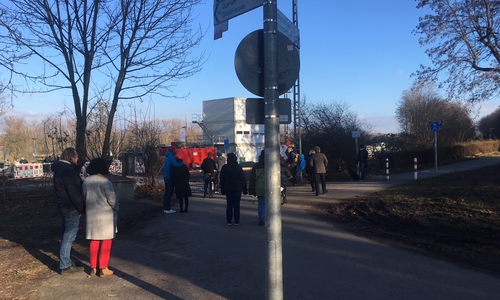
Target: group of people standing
x=95, y=198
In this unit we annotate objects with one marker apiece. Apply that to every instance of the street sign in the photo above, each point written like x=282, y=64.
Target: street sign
x=34, y=154
x=356, y=134
x=226, y=145
x=220, y=28
x=435, y=126
x=228, y=9
x=249, y=63
x=286, y=27
x=255, y=110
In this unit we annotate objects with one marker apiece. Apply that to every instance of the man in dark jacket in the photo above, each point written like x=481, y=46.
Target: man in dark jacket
x=68, y=189
x=233, y=183
x=319, y=162
x=362, y=161
x=208, y=166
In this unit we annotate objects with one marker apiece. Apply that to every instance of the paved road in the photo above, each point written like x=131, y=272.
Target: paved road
x=197, y=256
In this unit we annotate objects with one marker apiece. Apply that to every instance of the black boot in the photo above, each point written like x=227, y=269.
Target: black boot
x=187, y=203
x=180, y=205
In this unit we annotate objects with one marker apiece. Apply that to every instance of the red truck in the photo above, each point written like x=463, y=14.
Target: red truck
x=192, y=157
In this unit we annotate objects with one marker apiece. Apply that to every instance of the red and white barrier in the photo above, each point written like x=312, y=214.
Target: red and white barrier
x=415, y=168
x=28, y=171
x=116, y=167
x=139, y=168
x=386, y=168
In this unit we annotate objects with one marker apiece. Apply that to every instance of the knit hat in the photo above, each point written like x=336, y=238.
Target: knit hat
x=171, y=149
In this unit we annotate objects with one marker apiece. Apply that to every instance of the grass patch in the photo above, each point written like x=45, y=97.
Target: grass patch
x=456, y=215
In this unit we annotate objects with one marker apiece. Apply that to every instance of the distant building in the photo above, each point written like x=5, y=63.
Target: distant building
x=224, y=121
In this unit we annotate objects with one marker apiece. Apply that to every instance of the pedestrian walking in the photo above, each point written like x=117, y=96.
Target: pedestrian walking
x=68, y=190
x=233, y=183
x=101, y=216
x=319, y=162
x=180, y=177
x=257, y=187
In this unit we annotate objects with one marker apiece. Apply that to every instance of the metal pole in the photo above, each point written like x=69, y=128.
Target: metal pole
x=435, y=151
x=274, y=275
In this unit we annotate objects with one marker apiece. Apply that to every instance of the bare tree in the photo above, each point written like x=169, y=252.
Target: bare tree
x=330, y=126
x=490, y=125
x=463, y=35
x=20, y=137
x=145, y=137
x=138, y=46
x=420, y=106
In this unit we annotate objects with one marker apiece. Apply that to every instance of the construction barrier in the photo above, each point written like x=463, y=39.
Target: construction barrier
x=28, y=171
x=386, y=168
x=415, y=169
x=116, y=167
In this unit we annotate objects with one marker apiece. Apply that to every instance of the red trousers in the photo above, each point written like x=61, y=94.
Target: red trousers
x=100, y=250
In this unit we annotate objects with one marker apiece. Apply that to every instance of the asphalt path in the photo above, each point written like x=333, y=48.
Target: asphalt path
x=196, y=255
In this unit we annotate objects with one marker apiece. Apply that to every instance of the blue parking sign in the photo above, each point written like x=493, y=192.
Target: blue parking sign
x=435, y=126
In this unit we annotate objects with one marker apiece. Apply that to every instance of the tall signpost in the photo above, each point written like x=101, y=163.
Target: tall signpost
x=274, y=278
x=435, y=126
x=280, y=65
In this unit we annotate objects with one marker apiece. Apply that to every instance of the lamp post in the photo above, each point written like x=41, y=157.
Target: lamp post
x=34, y=147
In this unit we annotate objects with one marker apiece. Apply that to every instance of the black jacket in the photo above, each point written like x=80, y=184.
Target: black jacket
x=68, y=187
x=180, y=177
x=208, y=165
x=232, y=178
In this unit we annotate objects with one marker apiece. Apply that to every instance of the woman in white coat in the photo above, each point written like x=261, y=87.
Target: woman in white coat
x=101, y=213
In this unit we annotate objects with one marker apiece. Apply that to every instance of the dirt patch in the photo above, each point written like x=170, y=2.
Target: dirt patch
x=30, y=231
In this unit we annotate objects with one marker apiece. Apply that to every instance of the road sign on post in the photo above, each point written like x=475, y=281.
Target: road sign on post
x=228, y=9
x=435, y=126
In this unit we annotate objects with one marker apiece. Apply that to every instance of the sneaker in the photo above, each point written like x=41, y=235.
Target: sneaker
x=171, y=211
x=71, y=270
x=229, y=224
x=237, y=224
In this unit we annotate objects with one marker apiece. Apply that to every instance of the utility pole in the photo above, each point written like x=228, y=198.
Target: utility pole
x=274, y=275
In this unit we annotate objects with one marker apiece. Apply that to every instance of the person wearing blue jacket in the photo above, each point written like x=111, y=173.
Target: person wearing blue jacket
x=301, y=165
x=169, y=162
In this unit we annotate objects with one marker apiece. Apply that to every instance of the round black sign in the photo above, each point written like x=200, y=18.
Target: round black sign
x=249, y=63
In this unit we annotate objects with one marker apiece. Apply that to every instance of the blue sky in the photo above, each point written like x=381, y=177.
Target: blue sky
x=358, y=52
